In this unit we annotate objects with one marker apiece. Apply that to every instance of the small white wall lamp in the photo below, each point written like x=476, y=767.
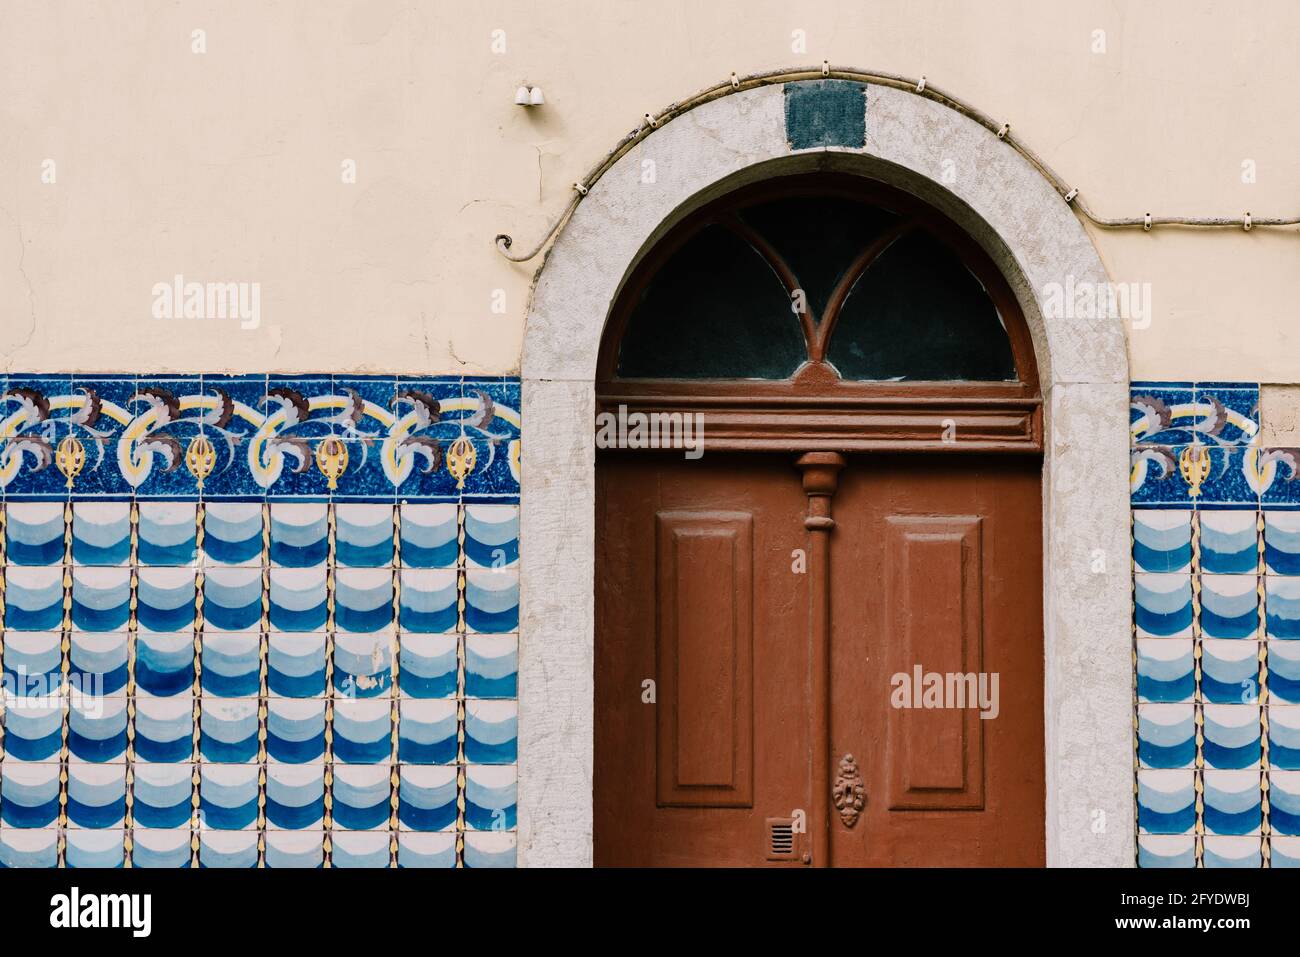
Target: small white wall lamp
x=529, y=96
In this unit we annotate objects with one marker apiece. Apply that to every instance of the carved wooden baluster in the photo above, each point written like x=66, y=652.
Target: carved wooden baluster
x=820, y=480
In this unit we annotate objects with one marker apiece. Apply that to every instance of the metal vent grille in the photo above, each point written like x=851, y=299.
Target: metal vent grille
x=780, y=839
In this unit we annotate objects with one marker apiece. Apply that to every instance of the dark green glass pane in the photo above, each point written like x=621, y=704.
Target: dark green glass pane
x=716, y=310
x=818, y=237
x=919, y=314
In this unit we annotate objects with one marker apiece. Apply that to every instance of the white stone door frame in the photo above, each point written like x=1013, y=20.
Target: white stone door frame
x=983, y=184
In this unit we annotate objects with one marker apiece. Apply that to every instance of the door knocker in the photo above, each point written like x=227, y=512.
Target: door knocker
x=848, y=792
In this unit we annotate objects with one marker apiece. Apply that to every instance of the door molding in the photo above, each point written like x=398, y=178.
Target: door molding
x=1038, y=245
x=821, y=479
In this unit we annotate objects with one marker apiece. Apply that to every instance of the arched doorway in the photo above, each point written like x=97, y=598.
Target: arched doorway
x=820, y=642
x=961, y=168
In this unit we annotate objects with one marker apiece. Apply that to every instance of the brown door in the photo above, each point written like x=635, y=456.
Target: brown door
x=696, y=595
x=936, y=566
x=934, y=563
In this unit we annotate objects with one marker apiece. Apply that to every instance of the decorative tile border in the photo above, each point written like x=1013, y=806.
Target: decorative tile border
x=1196, y=445
x=279, y=437
x=1216, y=586
x=261, y=621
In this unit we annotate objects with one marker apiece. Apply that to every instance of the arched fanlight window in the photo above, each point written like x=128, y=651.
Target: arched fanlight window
x=824, y=311
x=766, y=281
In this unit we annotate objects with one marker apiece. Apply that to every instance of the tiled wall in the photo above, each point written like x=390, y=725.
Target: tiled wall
x=258, y=621
x=1216, y=583
x=271, y=621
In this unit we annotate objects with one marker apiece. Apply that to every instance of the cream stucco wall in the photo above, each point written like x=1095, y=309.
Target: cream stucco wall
x=226, y=165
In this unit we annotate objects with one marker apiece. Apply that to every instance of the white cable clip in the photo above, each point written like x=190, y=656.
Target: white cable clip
x=1069, y=197
x=735, y=81
x=826, y=67
x=920, y=87
x=580, y=188
x=1002, y=133
x=651, y=121
x=1146, y=222
x=1245, y=223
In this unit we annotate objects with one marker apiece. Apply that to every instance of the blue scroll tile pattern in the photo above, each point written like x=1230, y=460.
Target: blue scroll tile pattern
x=1216, y=595
x=204, y=670
x=249, y=438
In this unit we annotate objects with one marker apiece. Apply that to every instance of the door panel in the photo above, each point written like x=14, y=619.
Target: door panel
x=695, y=591
x=704, y=638
x=933, y=609
x=936, y=564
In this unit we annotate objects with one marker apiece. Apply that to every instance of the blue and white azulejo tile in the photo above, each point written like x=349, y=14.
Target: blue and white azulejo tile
x=1284, y=671
x=491, y=732
x=491, y=666
x=361, y=796
x=168, y=533
x=492, y=600
x=303, y=849
x=428, y=600
x=1233, y=802
x=1282, y=542
x=1282, y=606
x=164, y=663
x=428, y=665
x=363, y=599
x=427, y=731
x=232, y=664
x=426, y=849
x=492, y=535
x=1284, y=737
x=33, y=598
x=360, y=849
x=1166, y=801
x=161, y=795
x=1229, y=671
x=296, y=664
x=1166, y=735
x=1162, y=540
x=491, y=795
x=232, y=533
x=1229, y=606
x=1232, y=735
x=490, y=849
x=164, y=728
x=101, y=533
x=1234, y=852
x=1284, y=802
x=428, y=535
x=161, y=849
x=364, y=535
x=363, y=730
x=34, y=533
x=1229, y=542
x=426, y=797
x=28, y=847
x=1166, y=850
x=1163, y=605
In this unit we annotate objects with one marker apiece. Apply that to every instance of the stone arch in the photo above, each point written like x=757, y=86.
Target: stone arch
x=1005, y=204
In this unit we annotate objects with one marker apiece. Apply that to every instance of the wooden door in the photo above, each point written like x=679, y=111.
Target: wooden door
x=867, y=505
x=936, y=565
x=696, y=595
x=705, y=584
